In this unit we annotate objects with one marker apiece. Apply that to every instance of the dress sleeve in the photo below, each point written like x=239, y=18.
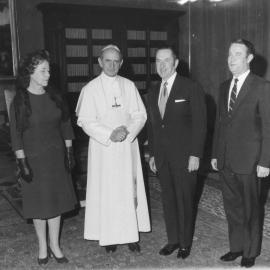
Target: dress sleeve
x=67, y=130
x=16, y=136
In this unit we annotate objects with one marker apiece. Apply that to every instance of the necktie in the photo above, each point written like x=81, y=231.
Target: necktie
x=233, y=96
x=163, y=99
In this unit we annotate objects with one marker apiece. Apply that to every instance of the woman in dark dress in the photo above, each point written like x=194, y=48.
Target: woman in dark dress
x=41, y=136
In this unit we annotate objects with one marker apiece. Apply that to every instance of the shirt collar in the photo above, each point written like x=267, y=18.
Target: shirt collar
x=242, y=77
x=108, y=78
x=170, y=80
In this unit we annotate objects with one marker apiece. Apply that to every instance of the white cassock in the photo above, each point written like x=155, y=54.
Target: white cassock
x=116, y=206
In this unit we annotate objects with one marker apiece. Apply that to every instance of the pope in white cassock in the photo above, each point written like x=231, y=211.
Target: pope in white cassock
x=111, y=112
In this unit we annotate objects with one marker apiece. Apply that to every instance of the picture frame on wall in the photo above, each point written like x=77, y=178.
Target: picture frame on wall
x=8, y=39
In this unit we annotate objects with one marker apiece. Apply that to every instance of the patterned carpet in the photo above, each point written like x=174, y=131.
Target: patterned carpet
x=211, y=202
x=18, y=244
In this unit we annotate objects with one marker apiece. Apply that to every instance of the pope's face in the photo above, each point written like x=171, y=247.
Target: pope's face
x=110, y=62
x=166, y=64
x=41, y=74
x=238, y=59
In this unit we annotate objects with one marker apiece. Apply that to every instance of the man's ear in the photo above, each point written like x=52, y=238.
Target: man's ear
x=176, y=62
x=100, y=62
x=250, y=58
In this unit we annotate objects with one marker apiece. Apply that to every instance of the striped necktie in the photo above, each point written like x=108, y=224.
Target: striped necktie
x=163, y=99
x=233, y=96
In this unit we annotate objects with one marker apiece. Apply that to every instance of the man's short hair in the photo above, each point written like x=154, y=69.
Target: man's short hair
x=111, y=46
x=168, y=47
x=248, y=44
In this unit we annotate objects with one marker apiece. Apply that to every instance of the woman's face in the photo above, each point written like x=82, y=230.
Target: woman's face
x=41, y=74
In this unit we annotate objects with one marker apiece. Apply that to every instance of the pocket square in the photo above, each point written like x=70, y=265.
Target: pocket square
x=179, y=100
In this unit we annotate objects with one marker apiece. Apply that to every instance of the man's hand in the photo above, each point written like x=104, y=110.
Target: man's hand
x=119, y=134
x=152, y=165
x=193, y=163
x=262, y=171
x=214, y=164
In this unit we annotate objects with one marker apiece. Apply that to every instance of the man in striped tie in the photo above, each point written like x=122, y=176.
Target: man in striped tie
x=241, y=151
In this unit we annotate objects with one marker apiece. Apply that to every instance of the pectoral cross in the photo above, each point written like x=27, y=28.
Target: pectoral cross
x=115, y=105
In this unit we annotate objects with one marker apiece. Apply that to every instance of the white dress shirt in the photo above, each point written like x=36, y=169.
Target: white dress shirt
x=241, y=80
x=170, y=82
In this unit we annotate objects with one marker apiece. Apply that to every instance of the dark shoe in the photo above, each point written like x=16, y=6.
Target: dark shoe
x=168, y=249
x=43, y=261
x=59, y=260
x=134, y=247
x=111, y=248
x=183, y=252
x=231, y=256
x=247, y=262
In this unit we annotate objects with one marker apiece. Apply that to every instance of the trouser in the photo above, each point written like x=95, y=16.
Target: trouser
x=178, y=192
x=242, y=208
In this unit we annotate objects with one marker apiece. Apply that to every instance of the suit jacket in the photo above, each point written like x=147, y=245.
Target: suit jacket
x=243, y=137
x=181, y=132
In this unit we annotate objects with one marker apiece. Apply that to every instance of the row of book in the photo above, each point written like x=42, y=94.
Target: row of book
x=75, y=70
x=153, y=69
x=136, y=52
x=158, y=35
x=139, y=68
x=101, y=34
x=82, y=51
x=76, y=51
x=75, y=86
x=136, y=35
x=76, y=33
x=96, y=69
x=96, y=49
x=81, y=33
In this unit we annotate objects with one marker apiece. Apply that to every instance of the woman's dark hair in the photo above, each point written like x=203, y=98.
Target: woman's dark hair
x=21, y=100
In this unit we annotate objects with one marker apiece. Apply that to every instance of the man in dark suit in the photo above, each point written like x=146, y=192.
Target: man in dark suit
x=241, y=151
x=177, y=128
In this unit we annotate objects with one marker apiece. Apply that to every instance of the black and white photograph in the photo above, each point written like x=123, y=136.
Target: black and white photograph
x=134, y=134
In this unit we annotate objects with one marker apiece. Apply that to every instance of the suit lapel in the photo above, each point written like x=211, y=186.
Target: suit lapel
x=174, y=89
x=243, y=92
x=226, y=95
x=156, y=96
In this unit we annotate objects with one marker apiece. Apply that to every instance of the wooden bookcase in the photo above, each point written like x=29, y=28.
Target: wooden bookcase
x=74, y=35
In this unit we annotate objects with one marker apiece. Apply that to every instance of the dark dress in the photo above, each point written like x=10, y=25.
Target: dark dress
x=51, y=192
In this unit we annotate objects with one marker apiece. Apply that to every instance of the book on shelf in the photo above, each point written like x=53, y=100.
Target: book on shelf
x=136, y=52
x=101, y=34
x=75, y=86
x=139, y=68
x=153, y=52
x=76, y=51
x=74, y=70
x=153, y=68
x=96, y=49
x=136, y=35
x=76, y=33
x=158, y=35
x=96, y=69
